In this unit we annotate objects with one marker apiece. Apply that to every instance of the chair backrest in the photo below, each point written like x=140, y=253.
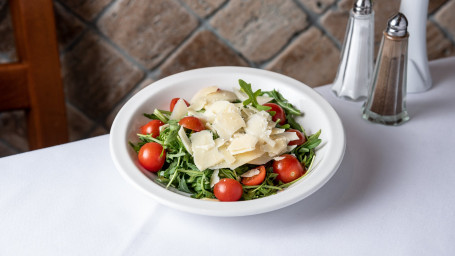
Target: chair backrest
x=34, y=82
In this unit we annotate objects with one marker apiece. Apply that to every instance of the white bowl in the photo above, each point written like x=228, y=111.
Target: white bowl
x=318, y=114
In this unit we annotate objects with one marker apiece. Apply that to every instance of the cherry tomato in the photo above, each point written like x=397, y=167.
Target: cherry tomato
x=192, y=123
x=228, y=190
x=298, y=141
x=174, y=101
x=288, y=168
x=279, y=113
x=152, y=127
x=256, y=179
x=151, y=156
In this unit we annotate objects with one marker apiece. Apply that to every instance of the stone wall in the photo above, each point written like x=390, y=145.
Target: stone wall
x=110, y=49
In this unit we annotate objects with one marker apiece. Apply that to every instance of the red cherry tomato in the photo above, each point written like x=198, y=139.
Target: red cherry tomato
x=152, y=127
x=279, y=113
x=288, y=168
x=192, y=123
x=228, y=190
x=298, y=141
x=152, y=156
x=256, y=179
x=174, y=101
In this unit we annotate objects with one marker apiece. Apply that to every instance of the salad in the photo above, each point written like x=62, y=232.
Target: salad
x=227, y=145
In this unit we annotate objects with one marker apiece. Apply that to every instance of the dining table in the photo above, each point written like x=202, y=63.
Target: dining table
x=393, y=194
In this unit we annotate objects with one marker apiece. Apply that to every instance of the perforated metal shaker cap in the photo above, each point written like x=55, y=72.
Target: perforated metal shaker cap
x=397, y=25
x=363, y=7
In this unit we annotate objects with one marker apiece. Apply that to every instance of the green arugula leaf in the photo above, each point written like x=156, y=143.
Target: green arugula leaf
x=282, y=102
x=252, y=96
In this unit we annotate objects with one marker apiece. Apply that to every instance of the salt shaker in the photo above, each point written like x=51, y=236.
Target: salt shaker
x=356, y=66
x=386, y=103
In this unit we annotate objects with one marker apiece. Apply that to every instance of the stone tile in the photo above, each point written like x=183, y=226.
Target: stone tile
x=433, y=5
x=148, y=32
x=202, y=50
x=446, y=17
x=7, y=47
x=259, y=29
x=438, y=46
x=6, y=150
x=13, y=129
x=318, y=6
x=87, y=9
x=110, y=118
x=78, y=124
x=312, y=58
x=96, y=77
x=335, y=22
x=68, y=26
x=204, y=8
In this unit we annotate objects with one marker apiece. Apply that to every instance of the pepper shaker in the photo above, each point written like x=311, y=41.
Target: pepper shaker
x=386, y=103
x=356, y=66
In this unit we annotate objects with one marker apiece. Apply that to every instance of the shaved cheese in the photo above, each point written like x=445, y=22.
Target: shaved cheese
x=263, y=99
x=205, y=153
x=290, y=148
x=289, y=136
x=226, y=124
x=228, y=157
x=261, y=160
x=257, y=124
x=215, y=178
x=246, y=157
x=279, y=147
x=278, y=158
x=220, y=95
x=180, y=110
x=199, y=99
x=250, y=173
x=277, y=131
x=204, y=159
x=185, y=140
x=202, y=140
x=219, y=142
x=242, y=143
x=240, y=95
x=221, y=106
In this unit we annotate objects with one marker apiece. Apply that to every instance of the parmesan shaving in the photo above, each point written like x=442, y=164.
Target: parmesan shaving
x=250, y=173
x=185, y=140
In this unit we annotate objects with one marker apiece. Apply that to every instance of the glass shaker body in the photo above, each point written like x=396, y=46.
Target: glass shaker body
x=356, y=66
x=386, y=103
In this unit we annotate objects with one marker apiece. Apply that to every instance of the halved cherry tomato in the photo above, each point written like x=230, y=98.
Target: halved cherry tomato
x=298, y=141
x=152, y=156
x=288, y=168
x=256, y=179
x=152, y=127
x=279, y=113
x=228, y=190
x=192, y=123
x=174, y=101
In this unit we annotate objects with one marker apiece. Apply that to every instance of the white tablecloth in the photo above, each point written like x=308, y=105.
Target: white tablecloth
x=394, y=194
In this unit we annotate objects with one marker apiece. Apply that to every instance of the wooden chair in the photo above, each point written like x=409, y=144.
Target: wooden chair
x=34, y=82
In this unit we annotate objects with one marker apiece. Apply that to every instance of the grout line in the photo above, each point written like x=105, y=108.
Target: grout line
x=444, y=31
x=205, y=25
x=103, y=11
x=314, y=20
